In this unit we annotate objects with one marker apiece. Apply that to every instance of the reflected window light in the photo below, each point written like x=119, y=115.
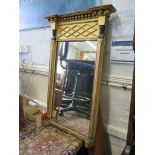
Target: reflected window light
x=91, y=44
x=59, y=68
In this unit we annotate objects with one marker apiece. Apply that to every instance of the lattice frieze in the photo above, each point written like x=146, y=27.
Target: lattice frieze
x=78, y=30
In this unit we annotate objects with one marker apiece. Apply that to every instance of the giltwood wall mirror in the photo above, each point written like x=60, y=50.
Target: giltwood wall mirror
x=77, y=51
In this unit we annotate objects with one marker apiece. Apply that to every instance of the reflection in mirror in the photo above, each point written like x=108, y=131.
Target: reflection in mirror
x=74, y=84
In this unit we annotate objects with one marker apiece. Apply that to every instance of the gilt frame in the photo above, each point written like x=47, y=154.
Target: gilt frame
x=90, y=24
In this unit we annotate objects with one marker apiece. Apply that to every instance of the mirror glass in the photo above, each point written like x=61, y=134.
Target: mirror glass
x=74, y=84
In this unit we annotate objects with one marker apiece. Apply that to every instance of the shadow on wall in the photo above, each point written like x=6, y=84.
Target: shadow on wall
x=104, y=102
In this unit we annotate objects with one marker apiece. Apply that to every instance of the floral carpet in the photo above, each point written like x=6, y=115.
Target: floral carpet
x=47, y=141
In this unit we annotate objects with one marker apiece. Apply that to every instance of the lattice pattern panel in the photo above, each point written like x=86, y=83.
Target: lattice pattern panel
x=78, y=30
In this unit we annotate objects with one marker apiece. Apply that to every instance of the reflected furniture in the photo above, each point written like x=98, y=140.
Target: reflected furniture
x=77, y=88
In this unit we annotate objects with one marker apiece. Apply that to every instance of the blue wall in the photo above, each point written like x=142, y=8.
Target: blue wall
x=32, y=12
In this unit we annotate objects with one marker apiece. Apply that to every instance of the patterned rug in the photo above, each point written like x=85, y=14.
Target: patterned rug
x=47, y=141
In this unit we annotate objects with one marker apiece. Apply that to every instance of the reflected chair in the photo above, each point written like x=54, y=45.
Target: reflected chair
x=78, y=86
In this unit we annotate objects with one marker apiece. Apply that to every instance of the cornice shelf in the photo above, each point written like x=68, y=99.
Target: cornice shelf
x=90, y=13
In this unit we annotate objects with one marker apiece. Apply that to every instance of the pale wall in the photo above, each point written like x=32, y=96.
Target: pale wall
x=34, y=85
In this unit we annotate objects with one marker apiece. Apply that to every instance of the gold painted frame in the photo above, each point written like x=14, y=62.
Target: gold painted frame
x=90, y=24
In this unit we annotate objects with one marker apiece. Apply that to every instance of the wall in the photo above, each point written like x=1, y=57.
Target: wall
x=34, y=85
x=115, y=100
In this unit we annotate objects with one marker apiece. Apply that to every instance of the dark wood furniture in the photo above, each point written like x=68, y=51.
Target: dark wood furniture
x=21, y=113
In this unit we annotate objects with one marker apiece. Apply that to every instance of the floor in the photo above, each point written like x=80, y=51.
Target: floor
x=75, y=122
x=47, y=141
